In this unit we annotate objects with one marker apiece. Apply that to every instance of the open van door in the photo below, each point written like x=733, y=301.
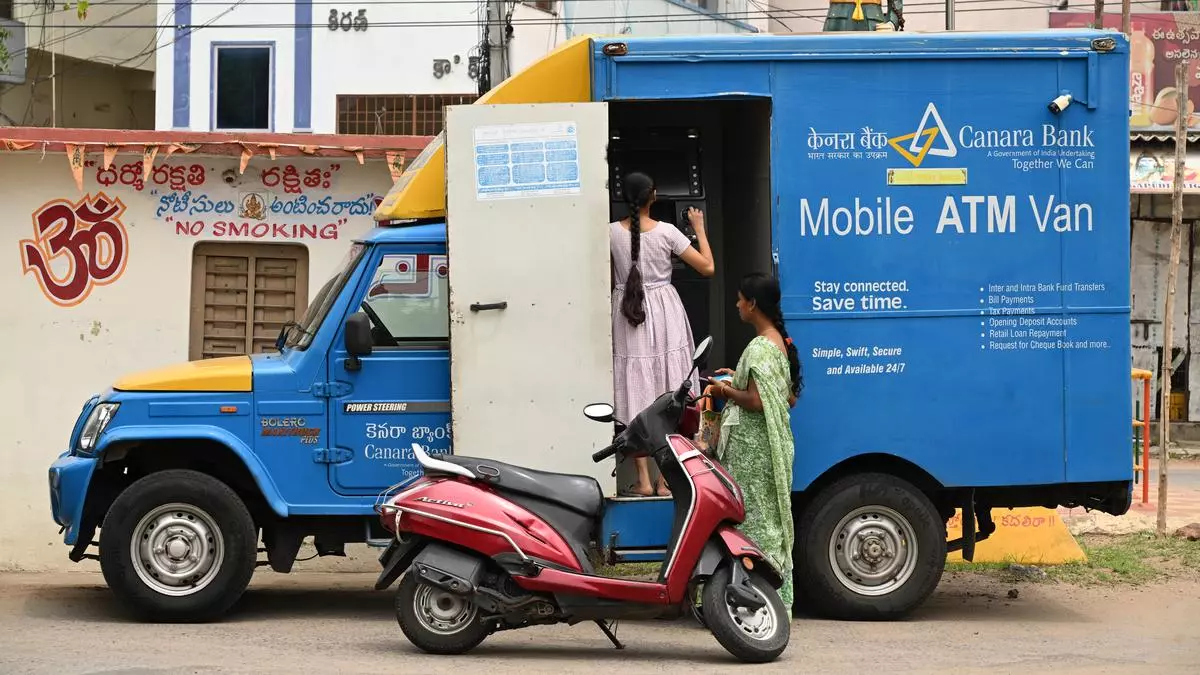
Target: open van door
x=530, y=321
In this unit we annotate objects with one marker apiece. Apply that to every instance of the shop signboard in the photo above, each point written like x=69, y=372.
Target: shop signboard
x=1158, y=40
x=1152, y=171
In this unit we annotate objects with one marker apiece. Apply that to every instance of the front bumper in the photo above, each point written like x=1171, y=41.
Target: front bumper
x=69, y=478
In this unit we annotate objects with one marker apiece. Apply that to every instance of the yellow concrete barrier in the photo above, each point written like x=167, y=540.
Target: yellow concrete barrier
x=1031, y=535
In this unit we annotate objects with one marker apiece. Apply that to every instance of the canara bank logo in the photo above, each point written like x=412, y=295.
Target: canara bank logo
x=932, y=130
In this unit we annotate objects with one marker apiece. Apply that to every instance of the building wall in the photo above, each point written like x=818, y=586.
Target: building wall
x=89, y=96
x=808, y=16
x=313, y=63
x=1149, y=263
x=392, y=59
x=535, y=32
x=394, y=55
x=114, y=32
x=55, y=352
x=662, y=17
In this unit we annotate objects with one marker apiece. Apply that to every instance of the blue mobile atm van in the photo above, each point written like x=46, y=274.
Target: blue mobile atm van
x=947, y=215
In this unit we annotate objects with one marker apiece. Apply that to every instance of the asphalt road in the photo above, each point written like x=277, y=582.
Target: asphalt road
x=327, y=623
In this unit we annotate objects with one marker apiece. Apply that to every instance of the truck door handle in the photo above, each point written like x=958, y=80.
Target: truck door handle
x=476, y=307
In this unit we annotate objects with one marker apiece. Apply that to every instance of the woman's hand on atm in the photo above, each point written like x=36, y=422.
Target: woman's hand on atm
x=700, y=260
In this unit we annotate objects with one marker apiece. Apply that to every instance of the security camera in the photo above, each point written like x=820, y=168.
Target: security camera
x=1060, y=104
x=229, y=176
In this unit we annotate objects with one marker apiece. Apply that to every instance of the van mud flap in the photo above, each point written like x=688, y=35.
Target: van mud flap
x=396, y=558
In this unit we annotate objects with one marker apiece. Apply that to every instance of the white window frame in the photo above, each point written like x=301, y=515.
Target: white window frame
x=217, y=47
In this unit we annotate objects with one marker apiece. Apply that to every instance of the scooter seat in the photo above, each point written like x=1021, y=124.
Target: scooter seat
x=581, y=494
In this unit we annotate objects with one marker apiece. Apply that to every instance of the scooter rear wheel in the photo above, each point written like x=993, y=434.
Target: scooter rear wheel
x=751, y=636
x=437, y=621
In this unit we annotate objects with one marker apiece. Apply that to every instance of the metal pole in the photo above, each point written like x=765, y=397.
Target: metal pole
x=949, y=14
x=1146, y=441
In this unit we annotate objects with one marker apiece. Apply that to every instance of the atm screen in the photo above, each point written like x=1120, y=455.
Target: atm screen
x=670, y=170
x=671, y=156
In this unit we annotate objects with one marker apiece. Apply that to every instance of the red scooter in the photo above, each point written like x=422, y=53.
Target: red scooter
x=489, y=546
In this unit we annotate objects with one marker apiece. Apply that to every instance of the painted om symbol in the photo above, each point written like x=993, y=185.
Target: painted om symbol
x=91, y=239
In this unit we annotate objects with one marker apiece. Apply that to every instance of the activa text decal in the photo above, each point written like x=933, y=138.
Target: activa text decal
x=963, y=214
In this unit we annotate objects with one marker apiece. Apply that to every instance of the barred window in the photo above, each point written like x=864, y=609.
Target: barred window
x=396, y=115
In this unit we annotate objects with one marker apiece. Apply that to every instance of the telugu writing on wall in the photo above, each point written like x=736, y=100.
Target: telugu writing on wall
x=277, y=203
x=77, y=245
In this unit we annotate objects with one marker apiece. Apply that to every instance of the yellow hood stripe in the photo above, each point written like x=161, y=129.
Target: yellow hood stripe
x=231, y=373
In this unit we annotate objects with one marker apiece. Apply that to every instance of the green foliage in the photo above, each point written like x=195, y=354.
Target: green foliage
x=4, y=55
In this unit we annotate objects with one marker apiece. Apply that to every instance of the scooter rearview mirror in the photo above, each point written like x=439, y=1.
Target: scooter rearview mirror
x=599, y=412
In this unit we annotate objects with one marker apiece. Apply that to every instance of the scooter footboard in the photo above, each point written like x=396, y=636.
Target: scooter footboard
x=728, y=542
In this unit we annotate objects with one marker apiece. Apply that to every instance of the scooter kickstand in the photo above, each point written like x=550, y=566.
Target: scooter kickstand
x=609, y=634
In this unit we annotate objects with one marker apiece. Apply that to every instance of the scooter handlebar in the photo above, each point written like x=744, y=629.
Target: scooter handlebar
x=601, y=455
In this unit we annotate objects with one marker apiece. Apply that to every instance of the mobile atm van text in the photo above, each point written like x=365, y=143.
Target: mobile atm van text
x=954, y=257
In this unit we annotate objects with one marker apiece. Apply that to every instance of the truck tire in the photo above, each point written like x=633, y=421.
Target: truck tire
x=178, y=546
x=870, y=547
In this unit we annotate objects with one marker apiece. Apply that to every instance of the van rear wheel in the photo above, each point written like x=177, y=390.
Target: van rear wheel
x=178, y=546
x=872, y=547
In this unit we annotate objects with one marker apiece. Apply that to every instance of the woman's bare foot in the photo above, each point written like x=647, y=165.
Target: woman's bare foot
x=642, y=490
x=663, y=491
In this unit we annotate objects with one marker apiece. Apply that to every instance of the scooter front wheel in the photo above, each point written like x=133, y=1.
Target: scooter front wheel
x=437, y=621
x=751, y=636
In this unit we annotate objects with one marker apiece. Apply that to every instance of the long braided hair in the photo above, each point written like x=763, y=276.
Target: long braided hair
x=763, y=291
x=638, y=190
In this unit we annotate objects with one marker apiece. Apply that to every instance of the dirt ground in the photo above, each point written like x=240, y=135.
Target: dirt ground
x=314, y=623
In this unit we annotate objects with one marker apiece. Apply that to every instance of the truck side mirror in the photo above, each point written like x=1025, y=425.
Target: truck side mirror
x=358, y=339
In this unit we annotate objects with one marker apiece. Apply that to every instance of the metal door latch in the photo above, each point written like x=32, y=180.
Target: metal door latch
x=477, y=307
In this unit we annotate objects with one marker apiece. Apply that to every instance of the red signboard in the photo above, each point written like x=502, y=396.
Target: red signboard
x=1158, y=41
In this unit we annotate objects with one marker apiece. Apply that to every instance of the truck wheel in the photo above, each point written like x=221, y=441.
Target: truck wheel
x=872, y=547
x=178, y=546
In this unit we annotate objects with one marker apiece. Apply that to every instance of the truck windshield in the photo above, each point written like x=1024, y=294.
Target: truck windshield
x=301, y=335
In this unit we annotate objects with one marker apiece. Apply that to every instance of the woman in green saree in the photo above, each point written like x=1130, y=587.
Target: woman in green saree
x=755, y=440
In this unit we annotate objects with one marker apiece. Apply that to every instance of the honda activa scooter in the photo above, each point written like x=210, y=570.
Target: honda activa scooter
x=489, y=546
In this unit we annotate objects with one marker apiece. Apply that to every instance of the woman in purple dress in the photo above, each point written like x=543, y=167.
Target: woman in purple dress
x=652, y=339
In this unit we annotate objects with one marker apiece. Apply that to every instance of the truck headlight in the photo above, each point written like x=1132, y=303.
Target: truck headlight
x=96, y=422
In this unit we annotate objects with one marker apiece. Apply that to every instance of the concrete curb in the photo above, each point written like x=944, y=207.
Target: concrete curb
x=1177, y=452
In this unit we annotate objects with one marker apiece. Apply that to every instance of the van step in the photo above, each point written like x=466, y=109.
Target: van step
x=379, y=543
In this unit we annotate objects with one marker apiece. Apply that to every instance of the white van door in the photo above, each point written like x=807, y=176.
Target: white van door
x=530, y=323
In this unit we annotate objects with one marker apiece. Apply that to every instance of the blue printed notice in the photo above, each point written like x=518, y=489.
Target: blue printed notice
x=514, y=161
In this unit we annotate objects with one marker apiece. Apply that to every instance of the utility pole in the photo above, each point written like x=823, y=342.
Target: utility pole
x=1125, y=18
x=949, y=14
x=494, y=42
x=1164, y=409
x=1098, y=21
